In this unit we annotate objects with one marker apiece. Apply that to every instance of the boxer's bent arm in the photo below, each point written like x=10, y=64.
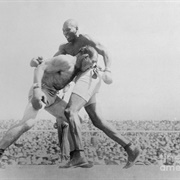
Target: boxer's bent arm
x=100, y=49
x=38, y=74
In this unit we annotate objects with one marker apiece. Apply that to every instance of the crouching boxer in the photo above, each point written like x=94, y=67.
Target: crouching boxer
x=50, y=76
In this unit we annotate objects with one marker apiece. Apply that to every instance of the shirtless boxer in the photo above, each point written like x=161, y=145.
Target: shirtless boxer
x=84, y=95
x=50, y=76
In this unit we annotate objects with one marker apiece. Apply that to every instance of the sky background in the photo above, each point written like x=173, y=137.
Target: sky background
x=143, y=39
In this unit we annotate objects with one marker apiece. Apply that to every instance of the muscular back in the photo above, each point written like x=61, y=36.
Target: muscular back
x=59, y=71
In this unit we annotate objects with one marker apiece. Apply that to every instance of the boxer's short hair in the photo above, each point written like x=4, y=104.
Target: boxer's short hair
x=92, y=53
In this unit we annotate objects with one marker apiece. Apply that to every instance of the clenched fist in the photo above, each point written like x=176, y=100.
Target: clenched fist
x=38, y=98
x=36, y=61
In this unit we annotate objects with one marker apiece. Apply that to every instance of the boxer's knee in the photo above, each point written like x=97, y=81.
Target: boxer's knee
x=27, y=125
x=67, y=113
x=98, y=124
x=61, y=122
x=70, y=115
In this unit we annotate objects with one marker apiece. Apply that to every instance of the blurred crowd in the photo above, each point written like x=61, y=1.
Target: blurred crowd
x=158, y=140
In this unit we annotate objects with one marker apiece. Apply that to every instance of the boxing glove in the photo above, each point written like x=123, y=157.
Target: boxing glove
x=107, y=77
x=38, y=98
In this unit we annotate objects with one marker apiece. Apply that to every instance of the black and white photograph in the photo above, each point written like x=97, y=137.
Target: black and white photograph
x=90, y=89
